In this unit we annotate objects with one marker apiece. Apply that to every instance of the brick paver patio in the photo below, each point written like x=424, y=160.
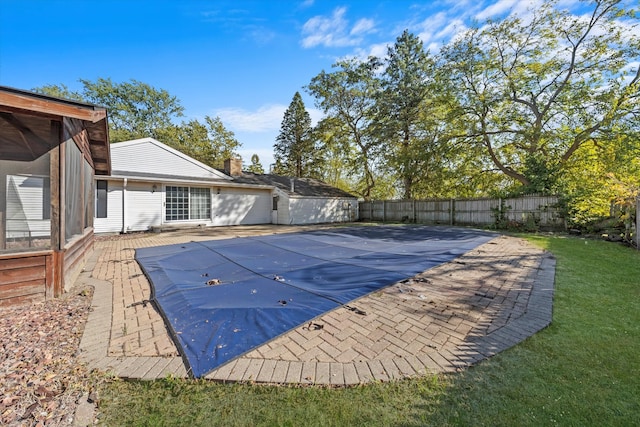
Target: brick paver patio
x=442, y=320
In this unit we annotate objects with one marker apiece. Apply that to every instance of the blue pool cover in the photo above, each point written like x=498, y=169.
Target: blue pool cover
x=223, y=298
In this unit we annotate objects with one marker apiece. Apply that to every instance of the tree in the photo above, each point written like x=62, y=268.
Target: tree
x=405, y=109
x=601, y=176
x=534, y=92
x=296, y=153
x=60, y=91
x=256, y=166
x=209, y=142
x=136, y=109
x=347, y=97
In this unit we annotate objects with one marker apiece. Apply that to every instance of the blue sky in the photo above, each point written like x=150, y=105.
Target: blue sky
x=241, y=60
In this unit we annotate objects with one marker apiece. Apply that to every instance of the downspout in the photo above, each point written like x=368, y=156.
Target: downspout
x=124, y=206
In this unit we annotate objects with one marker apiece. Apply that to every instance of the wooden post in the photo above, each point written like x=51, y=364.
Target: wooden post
x=452, y=212
x=415, y=220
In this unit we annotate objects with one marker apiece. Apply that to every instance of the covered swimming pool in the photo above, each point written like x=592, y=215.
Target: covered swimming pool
x=222, y=298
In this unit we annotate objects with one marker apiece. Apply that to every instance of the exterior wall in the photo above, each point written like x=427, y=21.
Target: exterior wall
x=143, y=206
x=145, y=156
x=25, y=277
x=76, y=255
x=234, y=206
x=282, y=214
x=317, y=210
x=113, y=222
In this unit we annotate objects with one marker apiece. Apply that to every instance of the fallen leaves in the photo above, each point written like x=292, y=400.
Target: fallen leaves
x=41, y=381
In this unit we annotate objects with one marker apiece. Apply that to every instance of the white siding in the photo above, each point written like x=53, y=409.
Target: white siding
x=241, y=206
x=113, y=222
x=143, y=206
x=25, y=207
x=321, y=210
x=151, y=157
x=283, y=209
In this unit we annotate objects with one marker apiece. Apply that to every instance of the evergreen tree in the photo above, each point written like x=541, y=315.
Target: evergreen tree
x=296, y=152
x=405, y=113
x=256, y=166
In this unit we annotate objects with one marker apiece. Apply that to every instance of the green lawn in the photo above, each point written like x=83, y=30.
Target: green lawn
x=582, y=370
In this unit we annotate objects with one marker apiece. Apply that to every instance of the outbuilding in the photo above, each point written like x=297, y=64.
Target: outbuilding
x=50, y=151
x=298, y=201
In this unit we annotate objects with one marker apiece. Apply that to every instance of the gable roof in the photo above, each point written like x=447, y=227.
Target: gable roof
x=302, y=187
x=148, y=157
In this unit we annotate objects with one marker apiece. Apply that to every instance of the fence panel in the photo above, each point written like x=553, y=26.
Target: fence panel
x=542, y=210
x=475, y=211
x=433, y=211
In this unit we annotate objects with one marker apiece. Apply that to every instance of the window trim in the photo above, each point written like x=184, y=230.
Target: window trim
x=102, y=199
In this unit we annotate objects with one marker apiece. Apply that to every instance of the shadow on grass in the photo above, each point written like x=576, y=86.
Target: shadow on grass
x=582, y=370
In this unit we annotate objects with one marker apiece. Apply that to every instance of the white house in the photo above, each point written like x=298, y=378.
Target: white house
x=155, y=186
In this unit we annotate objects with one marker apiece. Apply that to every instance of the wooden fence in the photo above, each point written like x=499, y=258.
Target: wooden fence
x=538, y=211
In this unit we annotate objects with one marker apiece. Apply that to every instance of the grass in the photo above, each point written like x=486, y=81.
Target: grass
x=582, y=370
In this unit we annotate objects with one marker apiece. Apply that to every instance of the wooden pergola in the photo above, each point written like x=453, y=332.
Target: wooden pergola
x=50, y=148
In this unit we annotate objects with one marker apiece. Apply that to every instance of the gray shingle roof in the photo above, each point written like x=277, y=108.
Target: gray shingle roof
x=306, y=187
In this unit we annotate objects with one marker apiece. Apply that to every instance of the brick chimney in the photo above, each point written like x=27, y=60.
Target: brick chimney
x=233, y=167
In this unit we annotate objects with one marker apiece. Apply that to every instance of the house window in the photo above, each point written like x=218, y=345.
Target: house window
x=185, y=203
x=101, y=198
x=199, y=203
x=275, y=203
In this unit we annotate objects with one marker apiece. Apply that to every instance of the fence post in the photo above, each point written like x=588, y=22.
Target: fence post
x=414, y=211
x=384, y=211
x=452, y=212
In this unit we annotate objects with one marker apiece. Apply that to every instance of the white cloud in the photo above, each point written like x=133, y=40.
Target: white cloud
x=264, y=119
x=497, y=8
x=267, y=118
x=363, y=26
x=333, y=31
x=439, y=29
x=522, y=8
x=378, y=50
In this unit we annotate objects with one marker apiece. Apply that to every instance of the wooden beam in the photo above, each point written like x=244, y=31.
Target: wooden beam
x=52, y=106
x=55, y=180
